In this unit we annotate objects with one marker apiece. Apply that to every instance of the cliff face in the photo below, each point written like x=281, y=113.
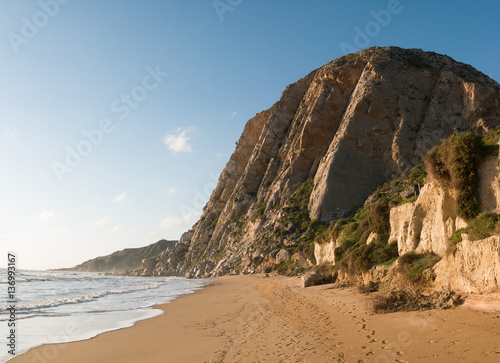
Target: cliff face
x=428, y=224
x=332, y=138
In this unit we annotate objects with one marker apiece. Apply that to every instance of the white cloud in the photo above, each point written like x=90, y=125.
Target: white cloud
x=49, y=216
x=120, y=198
x=172, y=222
x=170, y=191
x=232, y=114
x=116, y=228
x=100, y=223
x=152, y=234
x=179, y=142
x=10, y=133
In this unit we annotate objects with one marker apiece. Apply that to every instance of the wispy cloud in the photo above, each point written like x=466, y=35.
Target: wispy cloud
x=152, y=234
x=170, y=191
x=172, y=222
x=231, y=114
x=179, y=142
x=11, y=134
x=120, y=198
x=49, y=216
x=116, y=228
x=100, y=223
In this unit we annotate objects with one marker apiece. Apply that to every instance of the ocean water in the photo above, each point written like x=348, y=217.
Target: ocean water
x=59, y=307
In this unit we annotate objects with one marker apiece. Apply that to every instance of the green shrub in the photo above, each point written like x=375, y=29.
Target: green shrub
x=456, y=237
x=379, y=218
x=483, y=226
x=354, y=258
x=351, y=233
x=490, y=141
x=381, y=252
x=455, y=162
x=413, y=264
x=287, y=267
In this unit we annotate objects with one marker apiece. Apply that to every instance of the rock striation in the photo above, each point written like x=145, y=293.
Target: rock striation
x=332, y=138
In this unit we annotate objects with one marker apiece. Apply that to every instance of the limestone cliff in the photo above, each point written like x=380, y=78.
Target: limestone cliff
x=332, y=138
x=428, y=224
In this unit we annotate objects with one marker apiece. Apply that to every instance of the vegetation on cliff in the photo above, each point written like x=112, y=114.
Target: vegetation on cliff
x=455, y=164
x=297, y=226
x=352, y=254
x=483, y=226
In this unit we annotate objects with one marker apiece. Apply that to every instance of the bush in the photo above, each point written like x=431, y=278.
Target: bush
x=379, y=218
x=351, y=233
x=408, y=299
x=287, y=267
x=455, y=163
x=483, y=226
x=372, y=286
x=490, y=141
x=354, y=258
x=413, y=264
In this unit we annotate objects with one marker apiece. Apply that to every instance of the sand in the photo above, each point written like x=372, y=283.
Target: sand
x=257, y=319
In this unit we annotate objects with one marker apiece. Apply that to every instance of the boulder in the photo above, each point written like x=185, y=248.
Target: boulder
x=282, y=255
x=311, y=279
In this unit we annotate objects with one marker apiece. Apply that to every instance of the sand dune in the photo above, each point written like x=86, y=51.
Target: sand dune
x=256, y=319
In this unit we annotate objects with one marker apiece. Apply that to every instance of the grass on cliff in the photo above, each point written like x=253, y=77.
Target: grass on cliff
x=296, y=225
x=287, y=268
x=360, y=258
x=483, y=226
x=413, y=264
x=353, y=255
x=455, y=163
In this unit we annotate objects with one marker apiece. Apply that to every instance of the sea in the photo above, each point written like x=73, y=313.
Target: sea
x=61, y=307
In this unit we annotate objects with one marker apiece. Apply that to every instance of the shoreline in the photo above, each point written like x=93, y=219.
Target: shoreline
x=85, y=306
x=252, y=318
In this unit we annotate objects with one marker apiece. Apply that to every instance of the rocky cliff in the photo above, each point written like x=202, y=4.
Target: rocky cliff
x=333, y=137
x=469, y=263
x=124, y=260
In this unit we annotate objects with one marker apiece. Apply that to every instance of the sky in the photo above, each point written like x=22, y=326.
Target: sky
x=117, y=116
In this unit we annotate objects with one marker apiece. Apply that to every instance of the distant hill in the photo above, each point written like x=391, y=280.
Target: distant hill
x=121, y=261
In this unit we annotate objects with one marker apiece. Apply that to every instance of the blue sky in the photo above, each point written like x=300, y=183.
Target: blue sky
x=164, y=89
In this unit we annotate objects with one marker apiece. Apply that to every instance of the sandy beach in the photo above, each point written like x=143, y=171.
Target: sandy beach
x=257, y=319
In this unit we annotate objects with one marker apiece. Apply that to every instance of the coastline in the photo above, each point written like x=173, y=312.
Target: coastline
x=251, y=318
